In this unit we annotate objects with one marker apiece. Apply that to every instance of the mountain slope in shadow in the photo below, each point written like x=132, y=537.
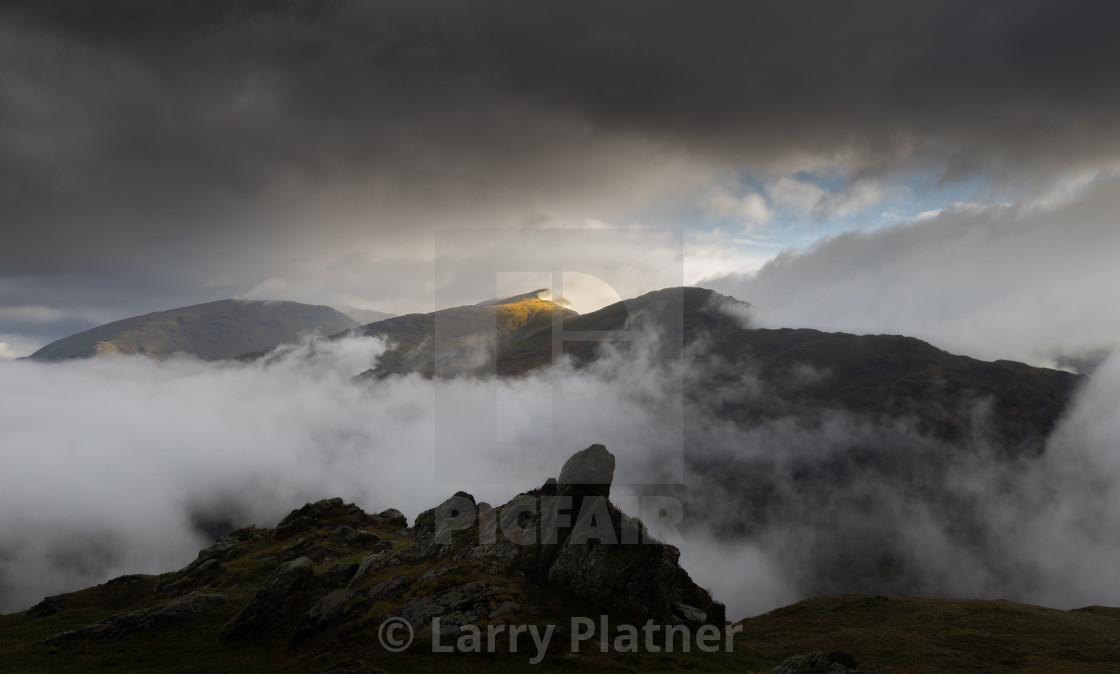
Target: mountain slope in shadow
x=211, y=331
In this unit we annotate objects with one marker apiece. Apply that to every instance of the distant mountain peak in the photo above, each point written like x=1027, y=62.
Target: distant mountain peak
x=543, y=294
x=210, y=331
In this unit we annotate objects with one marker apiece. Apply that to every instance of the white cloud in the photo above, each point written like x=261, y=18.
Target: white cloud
x=15, y=346
x=718, y=253
x=799, y=195
x=857, y=197
x=111, y=460
x=750, y=209
x=994, y=282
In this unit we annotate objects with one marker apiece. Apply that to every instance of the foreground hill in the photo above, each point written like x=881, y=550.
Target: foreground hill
x=211, y=331
x=313, y=593
x=918, y=636
x=316, y=592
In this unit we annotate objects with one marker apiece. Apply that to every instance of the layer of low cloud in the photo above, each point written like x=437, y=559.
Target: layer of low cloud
x=117, y=465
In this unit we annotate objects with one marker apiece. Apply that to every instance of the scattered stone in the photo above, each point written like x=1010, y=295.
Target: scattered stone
x=832, y=662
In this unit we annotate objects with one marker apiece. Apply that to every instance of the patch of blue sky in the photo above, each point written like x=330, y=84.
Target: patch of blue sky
x=804, y=208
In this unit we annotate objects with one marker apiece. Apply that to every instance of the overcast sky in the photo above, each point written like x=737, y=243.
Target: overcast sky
x=940, y=169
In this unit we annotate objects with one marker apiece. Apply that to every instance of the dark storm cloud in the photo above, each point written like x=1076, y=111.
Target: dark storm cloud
x=215, y=145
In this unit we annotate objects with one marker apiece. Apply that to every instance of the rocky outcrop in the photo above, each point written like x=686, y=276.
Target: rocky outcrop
x=579, y=542
x=592, y=466
x=176, y=612
x=528, y=560
x=265, y=608
x=455, y=606
x=374, y=562
x=332, y=608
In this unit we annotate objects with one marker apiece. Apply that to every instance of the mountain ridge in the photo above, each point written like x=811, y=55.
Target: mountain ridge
x=210, y=331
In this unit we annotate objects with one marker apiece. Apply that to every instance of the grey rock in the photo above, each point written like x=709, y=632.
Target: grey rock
x=326, y=609
x=592, y=466
x=436, y=573
x=504, y=552
x=619, y=575
x=292, y=526
x=338, y=575
x=207, y=566
x=388, y=589
x=435, y=524
x=302, y=519
x=176, y=612
x=394, y=517
x=357, y=537
x=222, y=550
x=832, y=662
x=690, y=613
x=265, y=607
x=310, y=546
x=460, y=605
x=374, y=562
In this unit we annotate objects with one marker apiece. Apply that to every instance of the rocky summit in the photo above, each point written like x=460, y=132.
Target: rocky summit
x=316, y=590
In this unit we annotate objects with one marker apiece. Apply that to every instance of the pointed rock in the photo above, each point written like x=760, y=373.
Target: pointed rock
x=594, y=465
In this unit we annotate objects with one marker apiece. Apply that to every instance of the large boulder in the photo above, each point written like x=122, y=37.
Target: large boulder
x=593, y=468
x=601, y=554
x=266, y=607
x=435, y=526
